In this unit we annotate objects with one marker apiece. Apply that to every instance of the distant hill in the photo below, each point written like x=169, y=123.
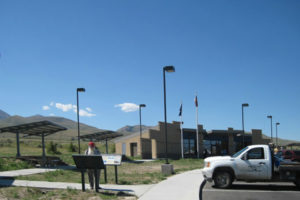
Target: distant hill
x=62, y=135
x=3, y=115
x=281, y=142
x=128, y=130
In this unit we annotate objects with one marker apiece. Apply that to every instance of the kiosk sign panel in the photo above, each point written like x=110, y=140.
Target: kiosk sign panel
x=111, y=159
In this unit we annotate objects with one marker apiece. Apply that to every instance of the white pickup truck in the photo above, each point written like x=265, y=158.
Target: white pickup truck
x=253, y=163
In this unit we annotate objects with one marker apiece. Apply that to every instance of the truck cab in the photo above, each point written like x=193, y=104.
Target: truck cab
x=252, y=163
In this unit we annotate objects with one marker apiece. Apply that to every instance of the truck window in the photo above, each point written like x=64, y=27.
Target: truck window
x=257, y=153
x=239, y=152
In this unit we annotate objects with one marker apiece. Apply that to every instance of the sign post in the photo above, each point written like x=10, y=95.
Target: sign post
x=112, y=160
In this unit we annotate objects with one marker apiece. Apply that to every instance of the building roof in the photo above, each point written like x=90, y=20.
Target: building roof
x=99, y=136
x=34, y=128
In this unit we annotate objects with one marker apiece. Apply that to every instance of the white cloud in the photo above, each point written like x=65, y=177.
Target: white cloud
x=52, y=114
x=70, y=107
x=128, y=107
x=85, y=113
x=64, y=107
x=46, y=108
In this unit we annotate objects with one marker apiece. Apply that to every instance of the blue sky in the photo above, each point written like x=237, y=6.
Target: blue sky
x=228, y=52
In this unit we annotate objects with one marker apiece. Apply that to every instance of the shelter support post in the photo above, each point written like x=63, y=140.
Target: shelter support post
x=106, y=146
x=105, y=172
x=43, y=146
x=18, y=144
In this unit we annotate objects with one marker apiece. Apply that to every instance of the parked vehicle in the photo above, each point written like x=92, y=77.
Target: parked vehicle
x=253, y=163
x=293, y=155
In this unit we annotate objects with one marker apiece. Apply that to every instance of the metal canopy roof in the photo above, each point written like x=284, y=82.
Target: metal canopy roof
x=99, y=136
x=34, y=128
x=294, y=144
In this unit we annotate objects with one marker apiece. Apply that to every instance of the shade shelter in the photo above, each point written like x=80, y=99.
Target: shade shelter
x=101, y=136
x=297, y=144
x=41, y=128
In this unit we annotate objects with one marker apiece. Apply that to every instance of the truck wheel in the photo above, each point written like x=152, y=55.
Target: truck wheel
x=223, y=179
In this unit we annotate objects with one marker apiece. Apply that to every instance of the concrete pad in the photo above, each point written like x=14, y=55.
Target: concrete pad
x=167, y=169
x=137, y=190
x=183, y=186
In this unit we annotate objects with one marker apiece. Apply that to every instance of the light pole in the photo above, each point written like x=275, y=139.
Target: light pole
x=78, y=128
x=270, y=117
x=166, y=69
x=140, y=109
x=243, y=105
x=277, y=123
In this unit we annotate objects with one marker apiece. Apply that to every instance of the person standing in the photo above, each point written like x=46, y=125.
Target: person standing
x=93, y=150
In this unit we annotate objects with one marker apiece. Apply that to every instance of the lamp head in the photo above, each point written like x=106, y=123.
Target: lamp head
x=269, y=116
x=277, y=123
x=245, y=104
x=142, y=105
x=169, y=69
x=80, y=89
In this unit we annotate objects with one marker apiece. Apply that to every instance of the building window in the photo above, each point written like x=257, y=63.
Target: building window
x=215, y=147
x=189, y=148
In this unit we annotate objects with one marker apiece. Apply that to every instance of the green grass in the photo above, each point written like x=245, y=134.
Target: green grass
x=128, y=173
x=27, y=193
x=7, y=164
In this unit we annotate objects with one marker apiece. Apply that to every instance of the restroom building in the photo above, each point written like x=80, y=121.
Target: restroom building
x=214, y=142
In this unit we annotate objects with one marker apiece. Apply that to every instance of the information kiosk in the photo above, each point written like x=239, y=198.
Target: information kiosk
x=84, y=162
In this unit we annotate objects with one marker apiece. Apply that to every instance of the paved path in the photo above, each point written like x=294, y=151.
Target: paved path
x=137, y=190
x=184, y=186
x=25, y=172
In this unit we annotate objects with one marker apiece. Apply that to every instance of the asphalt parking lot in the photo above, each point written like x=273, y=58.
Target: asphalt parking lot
x=252, y=191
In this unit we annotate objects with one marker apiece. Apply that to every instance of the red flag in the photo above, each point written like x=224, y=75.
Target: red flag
x=196, y=101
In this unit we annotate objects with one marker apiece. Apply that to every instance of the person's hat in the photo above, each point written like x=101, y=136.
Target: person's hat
x=91, y=144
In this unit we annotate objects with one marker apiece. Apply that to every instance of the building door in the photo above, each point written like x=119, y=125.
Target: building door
x=123, y=148
x=133, y=149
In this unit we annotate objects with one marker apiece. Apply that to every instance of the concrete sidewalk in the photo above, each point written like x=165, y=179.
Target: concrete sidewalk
x=137, y=190
x=184, y=186
x=25, y=172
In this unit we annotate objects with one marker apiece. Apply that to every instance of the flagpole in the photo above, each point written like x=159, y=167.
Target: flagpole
x=196, y=101
x=181, y=134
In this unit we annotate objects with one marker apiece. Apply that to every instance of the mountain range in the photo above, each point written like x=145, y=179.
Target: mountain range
x=3, y=115
x=71, y=133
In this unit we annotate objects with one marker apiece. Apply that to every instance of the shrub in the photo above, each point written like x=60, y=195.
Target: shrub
x=72, y=147
x=52, y=148
x=113, y=149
